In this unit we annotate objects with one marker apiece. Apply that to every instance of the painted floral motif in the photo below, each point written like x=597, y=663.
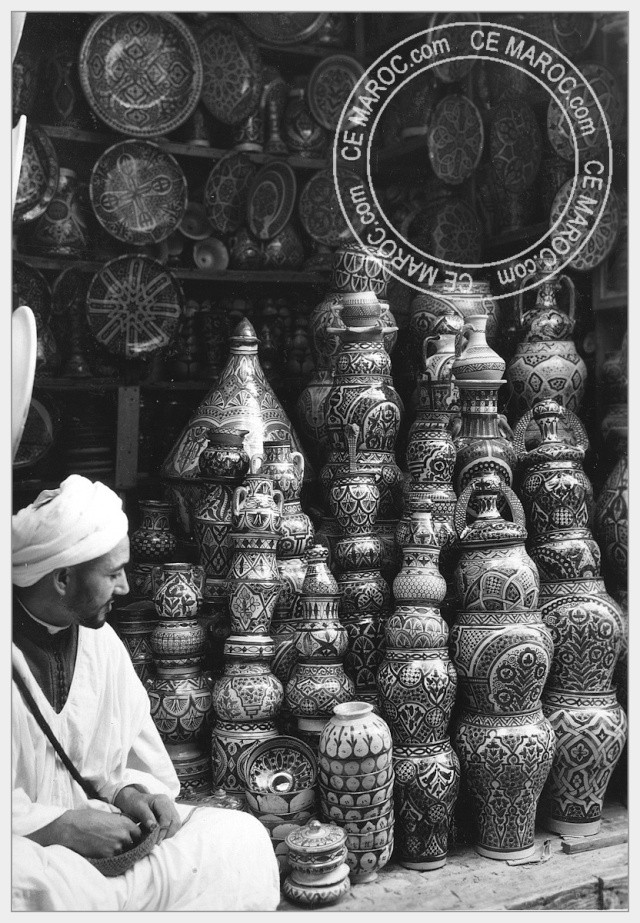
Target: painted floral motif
x=516, y=145
x=226, y=191
x=456, y=139
x=604, y=235
x=330, y=86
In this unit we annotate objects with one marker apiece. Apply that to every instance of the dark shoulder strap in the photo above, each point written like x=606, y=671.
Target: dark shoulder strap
x=87, y=786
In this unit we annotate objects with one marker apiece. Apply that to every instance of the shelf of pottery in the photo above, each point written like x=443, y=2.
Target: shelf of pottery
x=152, y=215
x=391, y=598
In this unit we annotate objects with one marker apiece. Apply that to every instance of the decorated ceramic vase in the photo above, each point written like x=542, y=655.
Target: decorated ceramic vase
x=319, y=874
x=177, y=590
x=153, y=541
x=256, y=506
x=241, y=400
x=476, y=361
x=302, y=134
x=546, y=363
x=358, y=270
x=611, y=520
x=443, y=309
x=62, y=229
x=253, y=582
x=484, y=445
x=354, y=753
x=427, y=780
x=134, y=624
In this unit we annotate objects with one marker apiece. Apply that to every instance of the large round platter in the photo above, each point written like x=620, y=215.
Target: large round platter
x=226, y=191
x=573, y=31
x=138, y=192
x=449, y=229
x=319, y=208
x=515, y=145
x=271, y=199
x=39, y=172
x=284, y=28
x=134, y=306
x=232, y=70
x=456, y=139
x=32, y=289
x=24, y=350
x=601, y=242
x=605, y=87
x=459, y=42
x=330, y=85
x=141, y=72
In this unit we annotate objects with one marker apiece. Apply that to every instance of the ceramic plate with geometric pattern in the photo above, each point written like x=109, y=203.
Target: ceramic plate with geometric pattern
x=39, y=173
x=227, y=189
x=232, y=69
x=601, y=242
x=515, y=144
x=134, y=306
x=284, y=28
x=456, y=139
x=330, y=86
x=271, y=199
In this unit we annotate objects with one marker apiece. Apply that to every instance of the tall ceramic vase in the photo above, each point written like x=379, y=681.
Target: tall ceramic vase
x=152, y=543
x=356, y=785
x=502, y=653
x=180, y=693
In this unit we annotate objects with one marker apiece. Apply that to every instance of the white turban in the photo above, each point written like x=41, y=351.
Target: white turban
x=77, y=522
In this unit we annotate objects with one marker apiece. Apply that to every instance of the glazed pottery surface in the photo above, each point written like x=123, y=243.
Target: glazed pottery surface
x=153, y=541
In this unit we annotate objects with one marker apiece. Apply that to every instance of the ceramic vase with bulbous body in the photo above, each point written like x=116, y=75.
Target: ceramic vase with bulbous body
x=444, y=309
x=358, y=270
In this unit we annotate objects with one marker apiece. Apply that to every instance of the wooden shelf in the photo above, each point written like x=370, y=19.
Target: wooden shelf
x=104, y=139
x=241, y=276
x=77, y=384
x=519, y=235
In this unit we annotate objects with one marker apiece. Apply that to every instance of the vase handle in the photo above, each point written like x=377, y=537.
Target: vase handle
x=460, y=336
x=569, y=419
x=156, y=579
x=568, y=282
x=297, y=459
x=462, y=507
x=239, y=499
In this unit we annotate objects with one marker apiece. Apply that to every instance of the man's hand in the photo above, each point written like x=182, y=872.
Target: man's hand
x=94, y=834
x=149, y=810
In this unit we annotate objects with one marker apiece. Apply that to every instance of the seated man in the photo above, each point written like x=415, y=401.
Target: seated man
x=69, y=551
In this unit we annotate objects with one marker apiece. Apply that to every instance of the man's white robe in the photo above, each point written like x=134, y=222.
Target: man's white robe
x=218, y=860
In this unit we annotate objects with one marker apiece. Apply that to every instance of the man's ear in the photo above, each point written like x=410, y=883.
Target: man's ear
x=61, y=580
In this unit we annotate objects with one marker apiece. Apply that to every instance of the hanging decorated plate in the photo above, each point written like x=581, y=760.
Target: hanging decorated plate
x=515, y=145
x=456, y=139
x=284, y=28
x=605, y=87
x=573, y=31
x=141, y=72
x=138, y=192
x=330, y=86
x=601, y=242
x=449, y=229
x=134, y=306
x=271, y=199
x=319, y=209
x=31, y=288
x=232, y=67
x=39, y=172
x=459, y=43
x=226, y=191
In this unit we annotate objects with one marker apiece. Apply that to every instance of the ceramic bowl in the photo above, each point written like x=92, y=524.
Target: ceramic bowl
x=282, y=764
x=355, y=767
x=357, y=799
x=281, y=803
x=210, y=255
x=342, y=815
x=374, y=825
x=364, y=863
x=372, y=840
x=280, y=831
x=356, y=783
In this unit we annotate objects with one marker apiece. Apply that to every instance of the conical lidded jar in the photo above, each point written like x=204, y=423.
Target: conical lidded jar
x=242, y=400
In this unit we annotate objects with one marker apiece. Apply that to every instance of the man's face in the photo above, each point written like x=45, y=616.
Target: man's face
x=92, y=586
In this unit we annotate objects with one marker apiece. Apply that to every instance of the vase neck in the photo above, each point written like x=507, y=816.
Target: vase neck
x=479, y=410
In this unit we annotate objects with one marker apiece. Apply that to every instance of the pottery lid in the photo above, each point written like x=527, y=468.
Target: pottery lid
x=316, y=838
x=547, y=414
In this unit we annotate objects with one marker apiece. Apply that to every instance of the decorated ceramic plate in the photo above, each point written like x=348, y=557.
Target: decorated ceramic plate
x=138, y=192
x=573, y=31
x=459, y=43
x=141, y=72
x=515, y=145
x=271, y=198
x=134, y=306
x=319, y=209
x=232, y=67
x=284, y=28
x=456, y=139
x=39, y=174
x=281, y=764
x=601, y=242
x=330, y=85
x=604, y=85
x=226, y=191
x=31, y=288
x=450, y=230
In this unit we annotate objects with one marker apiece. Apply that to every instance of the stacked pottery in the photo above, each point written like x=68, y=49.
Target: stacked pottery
x=354, y=499
x=416, y=689
x=241, y=400
x=223, y=463
x=152, y=543
x=247, y=697
x=444, y=308
x=481, y=446
x=587, y=628
x=180, y=693
x=134, y=625
x=545, y=363
x=318, y=681
x=502, y=652
x=363, y=394
x=356, y=779
x=319, y=873
x=286, y=469
x=279, y=778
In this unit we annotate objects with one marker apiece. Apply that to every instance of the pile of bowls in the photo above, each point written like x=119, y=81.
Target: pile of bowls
x=279, y=778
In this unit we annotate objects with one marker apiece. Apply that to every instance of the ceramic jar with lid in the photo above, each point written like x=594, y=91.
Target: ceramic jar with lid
x=317, y=856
